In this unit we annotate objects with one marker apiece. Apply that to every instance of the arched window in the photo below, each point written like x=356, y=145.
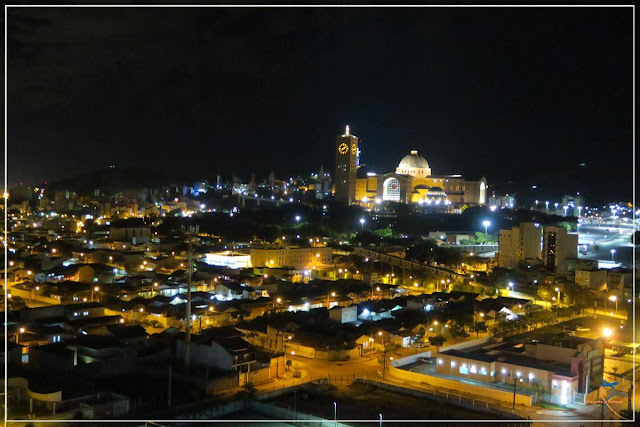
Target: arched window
x=391, y=190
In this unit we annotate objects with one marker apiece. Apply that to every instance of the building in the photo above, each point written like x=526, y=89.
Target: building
x=296, y=258
x=131, y=230
x=506, y=201
x=593, y=279
x=228, y=259
x=519, y=245
x=560, y=368
x=559, y=246
x=347, y=154
x=413, y=182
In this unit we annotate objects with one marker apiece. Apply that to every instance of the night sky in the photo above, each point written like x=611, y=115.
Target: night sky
x=512, y=94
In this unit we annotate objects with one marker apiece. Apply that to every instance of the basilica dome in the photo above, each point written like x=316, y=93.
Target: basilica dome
x=414, y=164
x=412, y=161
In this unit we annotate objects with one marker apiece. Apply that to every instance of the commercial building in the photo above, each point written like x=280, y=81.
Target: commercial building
x=296, y=258
x=559, y=247
x=228, y=259
x=520, y=244
x=560, y=368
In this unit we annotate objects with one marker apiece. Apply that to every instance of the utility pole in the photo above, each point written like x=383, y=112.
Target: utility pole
x=187, y=338
x=169, y=394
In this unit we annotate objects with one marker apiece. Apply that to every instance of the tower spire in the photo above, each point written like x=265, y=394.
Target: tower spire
x=347, y=132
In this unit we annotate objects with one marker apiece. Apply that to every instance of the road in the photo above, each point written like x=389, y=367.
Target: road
x=599, y=238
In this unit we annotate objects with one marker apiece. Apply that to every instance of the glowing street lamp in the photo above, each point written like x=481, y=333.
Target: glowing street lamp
x=606, y=332
x=579, y=211
x=558, y=291
x=546, y=204
x=362, y=223
x=297, y=219
x=614, y=299
x=613, y=252
x=486, y=224
x=565, y=207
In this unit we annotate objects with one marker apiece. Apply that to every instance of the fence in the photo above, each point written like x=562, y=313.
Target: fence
x=468, y=402
x=301, y=419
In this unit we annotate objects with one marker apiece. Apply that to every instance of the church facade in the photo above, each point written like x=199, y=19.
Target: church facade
x=411, y=182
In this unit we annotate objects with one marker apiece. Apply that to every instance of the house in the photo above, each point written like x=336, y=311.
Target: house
x=344, y=314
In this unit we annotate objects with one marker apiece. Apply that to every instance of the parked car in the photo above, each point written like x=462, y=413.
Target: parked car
x=428, y=360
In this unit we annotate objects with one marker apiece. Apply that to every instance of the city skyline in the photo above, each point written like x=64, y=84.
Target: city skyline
x=90, y=87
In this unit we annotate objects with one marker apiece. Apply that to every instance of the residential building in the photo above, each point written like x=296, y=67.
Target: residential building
x=519, y=245
x=558, y=248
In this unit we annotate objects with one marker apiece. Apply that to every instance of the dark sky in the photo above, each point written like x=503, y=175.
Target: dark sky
x=513, y=93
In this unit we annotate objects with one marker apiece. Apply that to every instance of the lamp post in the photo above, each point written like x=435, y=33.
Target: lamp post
x=579, y=211
x=558, y=291
x=565, y=207
x=380, y=415
x=95, y=289
x=515, y=381
x=486, y=224
x=335, y=413
x=297, y=219
x=362, y=223
x=613, y=252
x=546, y=204
x=556, y=204
x=614, y=299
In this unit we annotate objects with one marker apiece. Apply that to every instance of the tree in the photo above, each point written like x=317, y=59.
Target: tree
x=479, y=327
x=383, y=359
x=457, y=331
x=289, y=363
x=437, y=341
x=248, y=392
x=417, y=340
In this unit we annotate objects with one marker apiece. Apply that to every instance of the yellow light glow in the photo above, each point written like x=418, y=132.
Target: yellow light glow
x=606, y=332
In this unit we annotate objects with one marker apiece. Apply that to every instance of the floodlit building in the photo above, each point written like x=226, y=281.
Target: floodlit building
x=560, y=368
x=296, y=258
x=413, y=182
x=520, y=244
x=228, y=259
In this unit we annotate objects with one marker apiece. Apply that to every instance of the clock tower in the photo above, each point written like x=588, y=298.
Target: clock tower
x=347, y=154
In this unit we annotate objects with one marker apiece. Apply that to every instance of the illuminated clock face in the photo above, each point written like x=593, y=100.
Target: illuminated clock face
x=343, y=148
x=354, y=149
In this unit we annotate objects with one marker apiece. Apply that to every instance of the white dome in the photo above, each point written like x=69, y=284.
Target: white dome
x=413, y=161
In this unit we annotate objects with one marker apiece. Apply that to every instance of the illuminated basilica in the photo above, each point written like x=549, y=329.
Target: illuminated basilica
x=412, y=181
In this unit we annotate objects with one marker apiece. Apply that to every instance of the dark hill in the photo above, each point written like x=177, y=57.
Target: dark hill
x=113, y=180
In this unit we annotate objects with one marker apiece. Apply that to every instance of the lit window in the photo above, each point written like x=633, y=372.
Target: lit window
x=483, y=371
x=474, y=370
x=464, y=369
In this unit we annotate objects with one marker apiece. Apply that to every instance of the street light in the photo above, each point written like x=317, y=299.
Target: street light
x=515, y=381
x=546, y=204
x=614, y=299
x=335, y=413
x=606, y=332
x=362, y=223
x=558, y=291
x=486, y=224
x=565, y=207
x=579, y=211
x=380, y=415
x=297, y=219
x=613, y=251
